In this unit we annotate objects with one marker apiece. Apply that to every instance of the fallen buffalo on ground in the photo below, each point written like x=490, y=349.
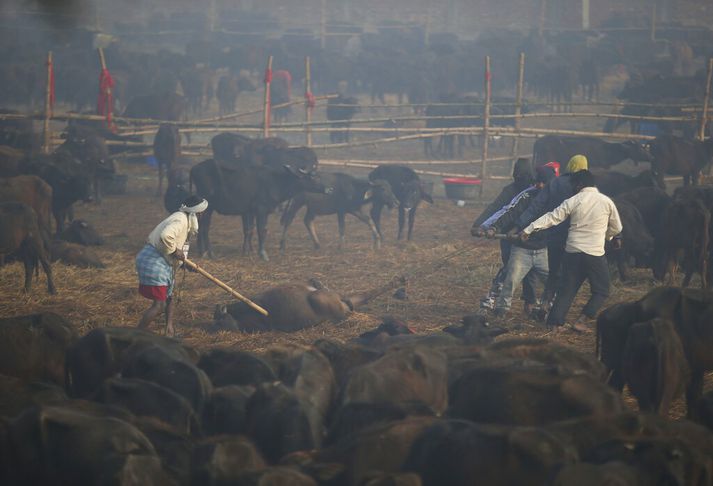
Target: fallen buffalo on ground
x=33, y=347
x=291, y=307
x=73, y=254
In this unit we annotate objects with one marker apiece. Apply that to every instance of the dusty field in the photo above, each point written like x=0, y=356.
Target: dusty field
x=444, y=291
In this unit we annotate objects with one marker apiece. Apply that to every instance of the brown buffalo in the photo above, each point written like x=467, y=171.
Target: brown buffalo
x=400, y=376
x=32, y=191
x=290, y=308
x=73, y=254
x=23, y=236
x=62, y=445
x=33, y=347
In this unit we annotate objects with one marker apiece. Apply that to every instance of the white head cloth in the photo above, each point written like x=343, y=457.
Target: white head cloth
x=191, y=211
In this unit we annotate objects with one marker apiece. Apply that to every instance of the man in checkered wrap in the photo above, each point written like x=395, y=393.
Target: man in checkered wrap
x=165, y=247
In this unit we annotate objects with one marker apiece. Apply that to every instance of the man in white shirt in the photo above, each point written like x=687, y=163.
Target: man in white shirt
x=156, y=261
x=593, y=221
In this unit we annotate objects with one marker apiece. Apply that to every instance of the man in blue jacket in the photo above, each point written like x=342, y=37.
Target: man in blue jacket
x=554, y=193
x=525, y=256
x=522, y=179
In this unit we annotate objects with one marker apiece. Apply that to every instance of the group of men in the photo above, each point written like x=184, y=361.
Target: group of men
x=552, y=229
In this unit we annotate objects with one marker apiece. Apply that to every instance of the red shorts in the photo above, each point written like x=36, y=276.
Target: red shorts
x=154, y=292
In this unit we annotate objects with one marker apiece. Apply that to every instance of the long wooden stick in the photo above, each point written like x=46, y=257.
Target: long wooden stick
x=266, y=100
x=308, y=108
x=518, y=105
x=706, y=101
x=225, y=287
x=486, y=126
x=46, y=142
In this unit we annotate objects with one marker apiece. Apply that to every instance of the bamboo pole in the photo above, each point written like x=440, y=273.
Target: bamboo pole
x=225, y=287
x=46, y=144
x=543, y=17
x=486, y=123
x=706, y=100
x=518, y=105
x=323, y=24
x=266, y=100
x=308, y=109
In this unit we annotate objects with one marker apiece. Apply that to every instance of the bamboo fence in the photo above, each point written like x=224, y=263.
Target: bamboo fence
x=484, y=125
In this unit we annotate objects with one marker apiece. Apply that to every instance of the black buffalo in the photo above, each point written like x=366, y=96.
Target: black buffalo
x=166, y=149
x=680, y=156
x=22, y=235
x=348, y=196
x=251, y=192
x=408, y=190
x=599, y=153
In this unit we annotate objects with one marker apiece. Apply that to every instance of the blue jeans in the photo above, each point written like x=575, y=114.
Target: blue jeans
x=520, y=263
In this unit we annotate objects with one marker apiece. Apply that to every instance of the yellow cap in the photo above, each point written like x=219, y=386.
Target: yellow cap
x=577, y=163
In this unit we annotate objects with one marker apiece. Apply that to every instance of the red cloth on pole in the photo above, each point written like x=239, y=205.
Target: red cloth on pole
x=50, y=76
x=268, y=75
x=105, y=101
x=285, y=74
x=310, y=99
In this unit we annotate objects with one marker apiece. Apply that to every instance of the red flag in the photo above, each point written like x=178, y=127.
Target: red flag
x=310, y=99
x=50, y=80
x=105, y=101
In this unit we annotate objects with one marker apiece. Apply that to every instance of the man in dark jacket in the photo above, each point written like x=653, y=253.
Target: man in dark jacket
x=526, y=257
x=522, y=179
x=553, y=194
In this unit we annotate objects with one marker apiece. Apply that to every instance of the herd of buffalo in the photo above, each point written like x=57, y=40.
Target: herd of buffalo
x=124, y=406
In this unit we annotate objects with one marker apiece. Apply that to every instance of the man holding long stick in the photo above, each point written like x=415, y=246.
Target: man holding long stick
x=158, y=259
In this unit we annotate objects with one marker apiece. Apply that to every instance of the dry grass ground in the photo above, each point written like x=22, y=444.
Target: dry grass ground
x=440, y=295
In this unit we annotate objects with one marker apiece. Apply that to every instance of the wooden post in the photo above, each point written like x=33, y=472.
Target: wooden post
x=266, y=100
x=427, y=29
x=585, y=14
x=46, y=142
x=518, y=106
x=653, y=22
x=486, y=124
x=706, y=100
x=308, y=108
x=323, y=24
x=543, y=17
